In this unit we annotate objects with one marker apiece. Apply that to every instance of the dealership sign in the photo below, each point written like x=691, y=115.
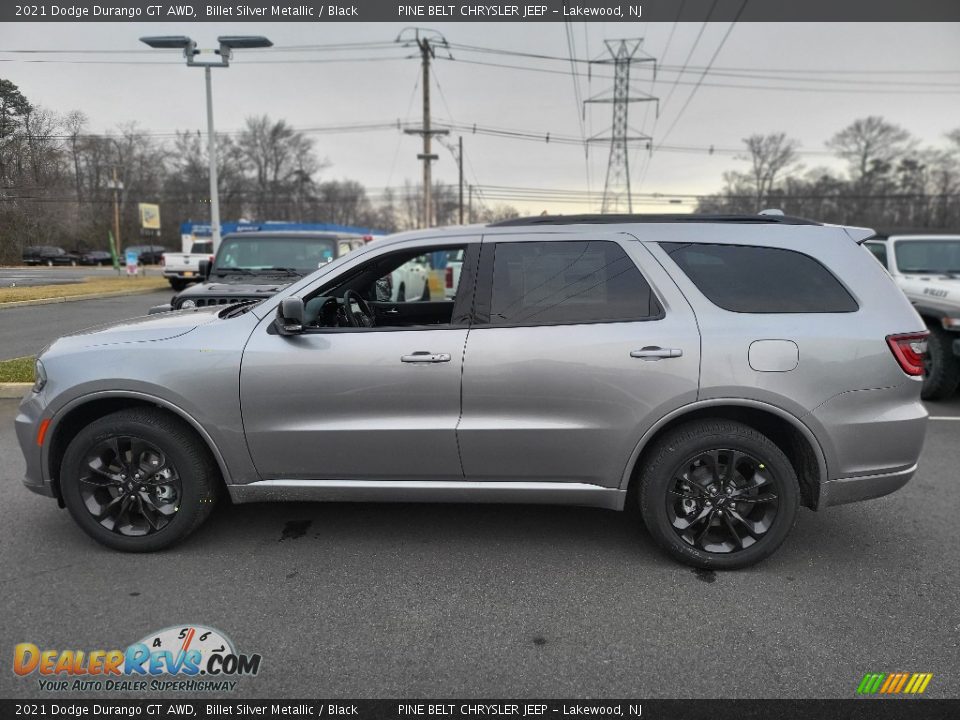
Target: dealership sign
x=190, y=657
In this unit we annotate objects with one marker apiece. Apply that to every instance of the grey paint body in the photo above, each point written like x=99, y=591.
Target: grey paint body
x=555, y=414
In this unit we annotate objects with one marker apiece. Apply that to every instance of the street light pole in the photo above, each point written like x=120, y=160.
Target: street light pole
x=212, y=152
x=228, y=43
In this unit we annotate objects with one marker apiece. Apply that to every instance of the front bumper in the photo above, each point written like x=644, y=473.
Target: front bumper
x=26, y=422
x=864, y=487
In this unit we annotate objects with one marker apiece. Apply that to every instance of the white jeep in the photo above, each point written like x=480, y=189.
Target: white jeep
x=927, y=269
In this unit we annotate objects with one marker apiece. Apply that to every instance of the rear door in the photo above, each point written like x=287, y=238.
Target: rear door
x=578, y=346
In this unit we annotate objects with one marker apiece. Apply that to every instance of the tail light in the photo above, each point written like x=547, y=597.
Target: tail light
x=448, y=276
x=909, y=350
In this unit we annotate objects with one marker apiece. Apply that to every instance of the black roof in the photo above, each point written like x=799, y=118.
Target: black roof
x=614, y=219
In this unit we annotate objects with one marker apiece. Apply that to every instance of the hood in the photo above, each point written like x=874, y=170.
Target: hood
x=143, y=329
x=245, y=287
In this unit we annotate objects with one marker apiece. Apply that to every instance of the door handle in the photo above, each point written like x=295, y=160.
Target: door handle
x=656, y=353
x=423, y=356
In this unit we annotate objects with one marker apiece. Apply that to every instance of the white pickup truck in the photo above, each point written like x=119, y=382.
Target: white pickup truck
x=927, y=269
x=181, y=269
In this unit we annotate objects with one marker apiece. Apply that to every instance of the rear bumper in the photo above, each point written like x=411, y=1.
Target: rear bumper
x=865, y=487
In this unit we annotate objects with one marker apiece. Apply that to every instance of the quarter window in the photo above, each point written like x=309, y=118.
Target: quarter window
x=879, y=251
x=751, y=279
x=547, y=283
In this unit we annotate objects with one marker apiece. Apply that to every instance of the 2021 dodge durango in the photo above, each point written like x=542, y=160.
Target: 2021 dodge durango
x=715, y=372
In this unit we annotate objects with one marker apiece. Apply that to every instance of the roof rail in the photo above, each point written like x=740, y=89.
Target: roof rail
x=612, y=219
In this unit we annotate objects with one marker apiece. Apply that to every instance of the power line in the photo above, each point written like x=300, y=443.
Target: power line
x=705, y=71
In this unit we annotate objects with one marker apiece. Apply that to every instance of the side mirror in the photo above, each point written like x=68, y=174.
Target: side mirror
x=290, y=316
x=204, y=269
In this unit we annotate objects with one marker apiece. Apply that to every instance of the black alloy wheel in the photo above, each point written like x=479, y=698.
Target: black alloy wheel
x=129, y=486
x=717, y=494
x=722, y=501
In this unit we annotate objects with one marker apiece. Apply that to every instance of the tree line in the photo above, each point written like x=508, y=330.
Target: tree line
x=891, y=182
x=56, y=181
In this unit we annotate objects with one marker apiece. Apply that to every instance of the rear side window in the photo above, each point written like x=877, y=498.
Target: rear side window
x=750, y=279
x=549, y=283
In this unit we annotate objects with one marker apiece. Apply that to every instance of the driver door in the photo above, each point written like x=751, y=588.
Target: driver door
x=378, y=403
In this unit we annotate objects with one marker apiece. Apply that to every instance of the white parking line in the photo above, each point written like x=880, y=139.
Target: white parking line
x=943, y=417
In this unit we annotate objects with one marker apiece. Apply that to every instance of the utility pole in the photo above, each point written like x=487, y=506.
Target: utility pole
x=460, y=163
x=117, y=186
x=426, y=41
x=470, y=207
x=616, y=191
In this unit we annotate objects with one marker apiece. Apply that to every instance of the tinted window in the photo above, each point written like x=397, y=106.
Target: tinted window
x=567, y=282
x=879, y=251
x=751, y=279
x=259, y=253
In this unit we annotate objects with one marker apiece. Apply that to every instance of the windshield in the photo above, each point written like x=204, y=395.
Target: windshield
x=928, y=256
x=257, y=254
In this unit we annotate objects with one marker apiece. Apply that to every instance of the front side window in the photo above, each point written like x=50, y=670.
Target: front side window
x=753, y=279
x=549, y=282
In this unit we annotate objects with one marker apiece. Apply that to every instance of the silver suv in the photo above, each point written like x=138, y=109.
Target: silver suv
x=715, y=372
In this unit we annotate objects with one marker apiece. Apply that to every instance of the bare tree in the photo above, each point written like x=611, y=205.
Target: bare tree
x=769, y=156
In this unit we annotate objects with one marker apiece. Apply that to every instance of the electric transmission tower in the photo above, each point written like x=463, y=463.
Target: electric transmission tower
x=623, y=53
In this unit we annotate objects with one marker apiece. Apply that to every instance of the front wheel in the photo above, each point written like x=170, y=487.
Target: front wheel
x=718, y=494
x=138, y=480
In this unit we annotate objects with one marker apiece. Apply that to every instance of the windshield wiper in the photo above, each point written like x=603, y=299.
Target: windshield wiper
x=226, y=271
x=287, y=270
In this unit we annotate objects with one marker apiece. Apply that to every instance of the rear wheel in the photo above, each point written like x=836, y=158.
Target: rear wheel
x=177, y=285
x=941, y=368
x=138, y=480
x=718, y=494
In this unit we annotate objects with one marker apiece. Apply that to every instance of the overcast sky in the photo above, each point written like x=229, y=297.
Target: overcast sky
x=169, y=96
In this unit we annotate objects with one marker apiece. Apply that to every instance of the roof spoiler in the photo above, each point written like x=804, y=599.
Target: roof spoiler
x=859, y=234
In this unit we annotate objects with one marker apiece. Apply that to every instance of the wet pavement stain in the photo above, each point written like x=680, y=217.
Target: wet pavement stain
x=294, y=529
x=539, y=640
x=291, y=576
x=707, y=576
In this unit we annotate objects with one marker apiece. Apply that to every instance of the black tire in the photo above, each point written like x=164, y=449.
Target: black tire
x=197, y=473
x=402, y=293
x=941, y=368
x=425, y=295
x=676, y=453
x=177, y=285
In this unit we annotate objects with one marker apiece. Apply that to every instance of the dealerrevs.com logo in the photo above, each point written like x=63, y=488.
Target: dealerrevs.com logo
x=190, y=658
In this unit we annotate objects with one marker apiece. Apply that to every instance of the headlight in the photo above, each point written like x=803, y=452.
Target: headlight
x=41, y=375
x=187, y=304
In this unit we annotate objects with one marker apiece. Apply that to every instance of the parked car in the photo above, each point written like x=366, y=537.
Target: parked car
x=715, y=372
x=96, y=257
x=927, y=269
x=49, y=255
x=147, y=254
x=251, y=266
x=181, y=269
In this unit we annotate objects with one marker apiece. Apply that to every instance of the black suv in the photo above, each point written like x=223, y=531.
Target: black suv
x=49, y=255
x=255, y=265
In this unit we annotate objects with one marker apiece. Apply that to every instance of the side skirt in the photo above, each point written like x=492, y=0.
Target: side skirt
x=544, y=493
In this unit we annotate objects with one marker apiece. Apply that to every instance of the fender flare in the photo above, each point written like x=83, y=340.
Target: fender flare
x=133, y=395
x=799, y=425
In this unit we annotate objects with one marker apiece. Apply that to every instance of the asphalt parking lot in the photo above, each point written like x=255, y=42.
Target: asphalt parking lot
x=521, y=601
x=381, y=600
x=26, y=330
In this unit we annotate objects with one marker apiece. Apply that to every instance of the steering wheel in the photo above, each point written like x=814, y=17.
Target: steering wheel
x=365, y=318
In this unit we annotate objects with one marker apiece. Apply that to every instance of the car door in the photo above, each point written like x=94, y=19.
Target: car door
x=355, y=404
x=577, y=348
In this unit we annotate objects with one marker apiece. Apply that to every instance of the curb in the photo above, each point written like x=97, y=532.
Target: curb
x=75, y=298
x=14, y=391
